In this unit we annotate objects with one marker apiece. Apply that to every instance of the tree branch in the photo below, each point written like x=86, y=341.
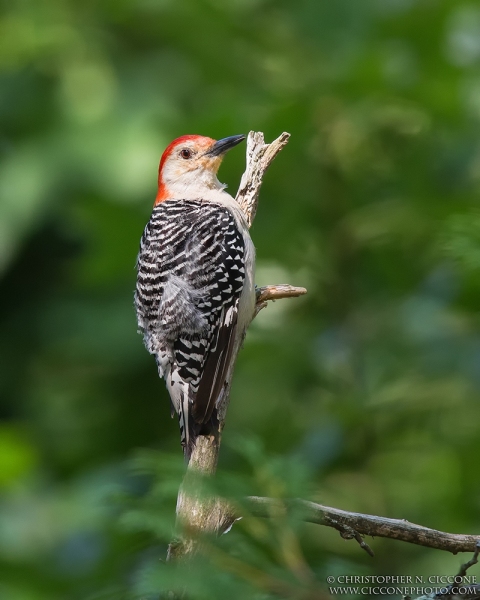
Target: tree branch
x=259, y=157
x=395, y=529
x=276, y=292
x=193, y=512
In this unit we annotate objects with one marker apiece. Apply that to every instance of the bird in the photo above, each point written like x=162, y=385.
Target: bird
x=195, y=292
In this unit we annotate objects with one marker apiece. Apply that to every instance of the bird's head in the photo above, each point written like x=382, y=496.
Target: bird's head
x=190, y=164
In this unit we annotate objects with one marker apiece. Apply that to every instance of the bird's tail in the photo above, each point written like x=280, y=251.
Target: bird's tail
x=190, y=430
x=191, y=425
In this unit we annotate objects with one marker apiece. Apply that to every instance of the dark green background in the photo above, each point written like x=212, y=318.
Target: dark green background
x=364, y=395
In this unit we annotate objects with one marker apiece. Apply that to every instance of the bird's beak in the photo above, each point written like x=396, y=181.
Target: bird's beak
x=222, y=146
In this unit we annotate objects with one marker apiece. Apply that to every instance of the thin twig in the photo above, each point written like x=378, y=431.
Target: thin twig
x=348, y=533
x=473, y=561
x=457, y=590
x=279, y=291
x=276, y=292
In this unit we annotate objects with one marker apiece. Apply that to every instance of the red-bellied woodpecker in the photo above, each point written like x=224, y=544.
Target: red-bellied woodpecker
x=195, y=293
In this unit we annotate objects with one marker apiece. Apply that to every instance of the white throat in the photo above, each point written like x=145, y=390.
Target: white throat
x=191, y=185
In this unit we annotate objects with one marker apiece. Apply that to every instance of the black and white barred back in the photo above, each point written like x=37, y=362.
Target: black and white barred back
x=190, y=278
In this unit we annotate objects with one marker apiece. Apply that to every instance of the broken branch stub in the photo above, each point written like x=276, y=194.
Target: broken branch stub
x=259, y=157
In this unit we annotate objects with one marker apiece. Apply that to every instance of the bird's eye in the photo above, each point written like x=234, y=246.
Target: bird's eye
x=186, y=153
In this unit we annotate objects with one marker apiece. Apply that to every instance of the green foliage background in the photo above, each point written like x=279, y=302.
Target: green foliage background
x=364, y=395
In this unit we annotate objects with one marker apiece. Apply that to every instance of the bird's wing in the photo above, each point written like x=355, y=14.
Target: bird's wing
x=188, y=291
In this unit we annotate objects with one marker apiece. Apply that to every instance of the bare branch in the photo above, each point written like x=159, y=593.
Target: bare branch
x=396, y=529
x=276, y=292
x=352, y=525
x=279, y=291
x=259, y=158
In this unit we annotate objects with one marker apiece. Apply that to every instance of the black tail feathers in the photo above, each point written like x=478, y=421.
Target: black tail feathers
x=210, y=428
